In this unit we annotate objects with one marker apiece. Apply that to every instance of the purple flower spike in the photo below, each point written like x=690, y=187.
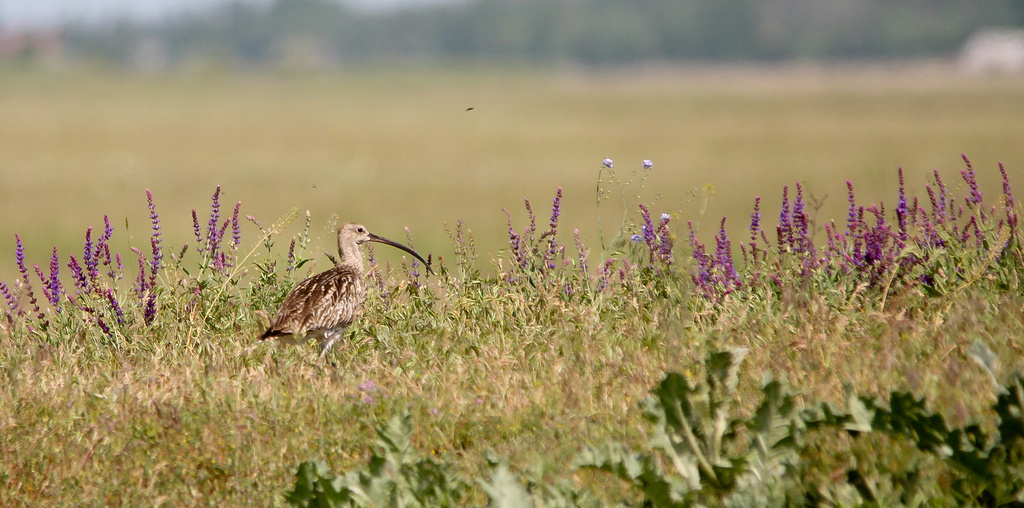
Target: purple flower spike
x=88, y=257
x=12, y=302
x=902, y=211
x=723, y=257
x=784, y=229
x=155, y=263
x=582, y=251
x=236, y=229
x=141, y=285
x=556, y=207
x=650, y=237
x=664, y=249
x=115, y=306
x=211, y=227
x=55, y=289
x=1006, y=187
x=20, y=258
x=515, y=243
x=800, y=240
x=291, y=256
x=149, y=314
x=755, y=220
x=198, y=232
x=972, y=182
x=852, y=223
x=528, y=234
x=81, y=282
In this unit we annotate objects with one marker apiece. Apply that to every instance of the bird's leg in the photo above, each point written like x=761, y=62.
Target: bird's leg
x=330, y=337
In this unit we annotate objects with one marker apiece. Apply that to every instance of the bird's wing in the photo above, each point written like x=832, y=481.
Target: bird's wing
x=327, y=300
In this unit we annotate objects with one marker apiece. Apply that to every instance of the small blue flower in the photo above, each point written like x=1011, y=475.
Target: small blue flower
x=637, y=238
x=648, y=164
x=607, y=163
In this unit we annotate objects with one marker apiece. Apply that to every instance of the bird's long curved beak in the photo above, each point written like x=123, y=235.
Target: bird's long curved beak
x=381, y=239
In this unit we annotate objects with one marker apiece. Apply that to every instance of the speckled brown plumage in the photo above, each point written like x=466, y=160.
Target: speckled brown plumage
x=323, y=305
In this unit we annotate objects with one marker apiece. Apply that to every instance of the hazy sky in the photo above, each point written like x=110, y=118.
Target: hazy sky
x=43, y=13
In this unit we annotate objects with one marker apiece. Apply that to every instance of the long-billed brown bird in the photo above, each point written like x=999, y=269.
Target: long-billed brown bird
x=323, y=305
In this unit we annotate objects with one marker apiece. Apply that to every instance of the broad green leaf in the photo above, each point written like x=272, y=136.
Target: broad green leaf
x=504, y=489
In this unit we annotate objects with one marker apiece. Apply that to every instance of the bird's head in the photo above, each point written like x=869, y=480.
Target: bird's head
x=352, y=234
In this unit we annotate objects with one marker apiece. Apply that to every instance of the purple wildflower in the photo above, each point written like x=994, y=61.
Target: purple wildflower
x=1010, y=203
x=102, y=252
x=88, y=257
x=582, y=251
x=155, y=262
x=755, y=219
x=606, y=274
x=800, y=239
x=528, y=233
x=253, y=220
x=149, y=313
x=648, y=164
x=56, y=289
x=553, y=247
x=115, y=306
x=852, y=221
x=12, y=302
x=291, y=256
x=902, y=210
x=941, y=206
x=972, y=182
x=556, y=207
x=155, y=242
x=103, y=326
x=81, y=282
x=649, y=235
x=785, y=229
x=755, y=228
x=199, y=233
x=664, y=249
x=723, y=257
x=607, y=163
x=141, y=286
x=702, y=278
x=368, y=388
x=236, y=229
x=515, y=243
x=211, y=229
x=20, y=257
x=1006, y=187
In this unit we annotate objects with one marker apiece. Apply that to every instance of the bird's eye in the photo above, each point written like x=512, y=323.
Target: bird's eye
x=361, y=230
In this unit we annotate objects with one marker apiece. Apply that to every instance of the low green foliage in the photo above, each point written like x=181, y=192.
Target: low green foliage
x=700, y=453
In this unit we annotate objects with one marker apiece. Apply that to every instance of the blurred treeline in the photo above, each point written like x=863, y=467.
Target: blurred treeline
x=585, y=31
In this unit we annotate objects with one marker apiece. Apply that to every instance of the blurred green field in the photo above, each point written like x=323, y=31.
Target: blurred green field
x=396, y=149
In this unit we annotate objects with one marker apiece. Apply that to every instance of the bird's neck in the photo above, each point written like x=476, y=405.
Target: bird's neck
x=350, y=256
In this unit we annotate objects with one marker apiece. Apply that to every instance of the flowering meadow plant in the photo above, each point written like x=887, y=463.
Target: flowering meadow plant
x=936, y=243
